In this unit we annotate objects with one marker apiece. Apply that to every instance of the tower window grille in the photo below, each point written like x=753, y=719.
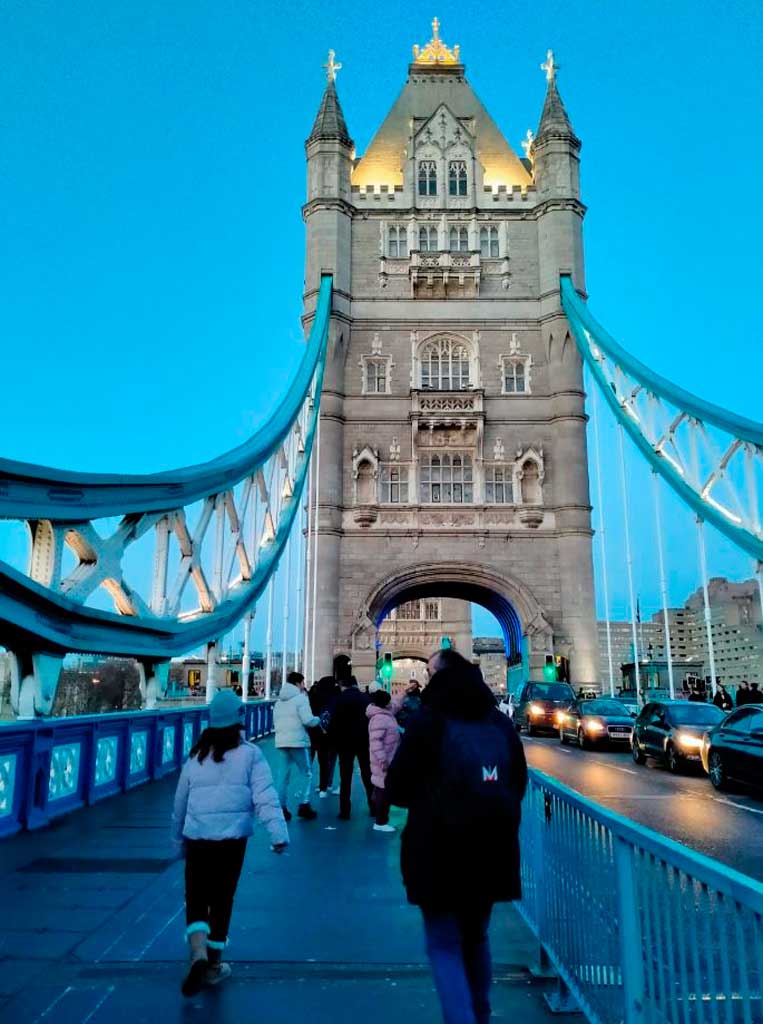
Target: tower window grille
x=457, y=177
x=459, y=240
x=394, y=485
x=375, y=376
x=397, y=242
x=446, y=479
x=489, y=242
x=498, y=485
x=445, y=366
x=515, y=377
x=427, y=178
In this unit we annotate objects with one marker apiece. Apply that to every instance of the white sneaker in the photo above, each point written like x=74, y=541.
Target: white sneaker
x=336, y=792
x=217, y=973
x=384, y=828
x=322, y=794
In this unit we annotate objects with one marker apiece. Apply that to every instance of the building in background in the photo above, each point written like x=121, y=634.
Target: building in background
x=416, y=628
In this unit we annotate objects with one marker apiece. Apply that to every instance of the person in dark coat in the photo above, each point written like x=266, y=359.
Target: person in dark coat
x=722, y=698
x=348, y=734
x=755, y=695
x=453, y=821
x=743, y=694
x=323, y=697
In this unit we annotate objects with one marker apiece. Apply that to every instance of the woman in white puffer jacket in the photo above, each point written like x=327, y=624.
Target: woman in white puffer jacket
x=225, y=784
x=292, y=717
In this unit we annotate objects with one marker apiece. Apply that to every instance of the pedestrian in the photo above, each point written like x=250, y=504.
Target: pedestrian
x=224, y=784
x=756, y=694
x=722, y=698
x=411, y=703
x=461, y=772
x=348, y=733
x=323, y=696
x=292, y=717
x=743, y=694
x=384, y=739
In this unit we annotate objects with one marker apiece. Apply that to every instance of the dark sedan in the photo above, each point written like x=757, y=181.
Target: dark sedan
x=539, y=704
x=733, y=750
x=671, y=732
x=595, y=722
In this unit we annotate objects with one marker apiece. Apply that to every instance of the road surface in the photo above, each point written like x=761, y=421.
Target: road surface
x=726, y=826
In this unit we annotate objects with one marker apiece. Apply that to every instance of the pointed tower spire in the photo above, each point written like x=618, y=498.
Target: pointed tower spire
x=330, y=122
x=554, y=119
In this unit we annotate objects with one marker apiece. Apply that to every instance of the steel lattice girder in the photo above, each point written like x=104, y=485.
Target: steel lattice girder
x=670, y=428
x=42, y=610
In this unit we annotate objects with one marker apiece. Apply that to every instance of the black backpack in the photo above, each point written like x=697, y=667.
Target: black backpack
x=474, y=786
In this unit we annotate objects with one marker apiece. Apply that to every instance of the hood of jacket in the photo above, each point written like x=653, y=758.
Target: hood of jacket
x=459, y=694
x=289, y=691
x=372, y=711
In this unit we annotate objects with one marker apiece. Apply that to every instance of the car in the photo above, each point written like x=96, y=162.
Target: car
x=732, y=752
x=671, y=731
x=595, y=722
x=538, y=704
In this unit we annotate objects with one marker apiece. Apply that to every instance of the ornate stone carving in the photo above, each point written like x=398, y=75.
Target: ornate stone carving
x=447, y=519
x=394, y=450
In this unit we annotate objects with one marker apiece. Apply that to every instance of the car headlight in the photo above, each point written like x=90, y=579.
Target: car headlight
x=594, y=726
x=688, y=741
x=536, y=709
x=560, y=716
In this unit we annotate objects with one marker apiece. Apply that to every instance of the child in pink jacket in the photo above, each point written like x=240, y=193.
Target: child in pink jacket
x=383, y=737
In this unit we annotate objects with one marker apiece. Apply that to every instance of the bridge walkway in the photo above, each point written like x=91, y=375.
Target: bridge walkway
x=92, y=925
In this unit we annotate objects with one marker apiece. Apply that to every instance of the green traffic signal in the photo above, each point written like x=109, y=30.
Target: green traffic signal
x=549, y=669
x=387, y=668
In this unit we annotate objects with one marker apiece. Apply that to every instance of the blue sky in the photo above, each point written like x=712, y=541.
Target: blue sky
x=152, y=173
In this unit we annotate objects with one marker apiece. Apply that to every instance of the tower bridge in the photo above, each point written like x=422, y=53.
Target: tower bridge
x=431, y=446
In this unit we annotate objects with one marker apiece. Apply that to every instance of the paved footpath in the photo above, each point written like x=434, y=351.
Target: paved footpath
x=92, y=925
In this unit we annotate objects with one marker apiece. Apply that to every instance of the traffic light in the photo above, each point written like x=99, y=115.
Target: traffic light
x=549, y=669
x=387, y=668
x=562, y=668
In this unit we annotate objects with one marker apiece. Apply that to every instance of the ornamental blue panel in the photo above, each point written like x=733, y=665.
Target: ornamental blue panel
x=187, y=737
x=64, y=771
x=7, y=783
x=168, y=743
x=138, y=751
x=106, y=751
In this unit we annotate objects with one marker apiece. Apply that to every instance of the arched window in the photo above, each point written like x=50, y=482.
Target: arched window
x=531, y=491
x=428, y=239
x=427, y=178
x=445, y=365
x=459, y=240
x=489, y=242
x=457, y=177
x=446, y=479
x=397, y=242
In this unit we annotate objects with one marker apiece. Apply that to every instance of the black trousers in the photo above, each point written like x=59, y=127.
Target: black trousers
x=212, y=870
x=381, y=805
x=326, y=761
x=346, y=766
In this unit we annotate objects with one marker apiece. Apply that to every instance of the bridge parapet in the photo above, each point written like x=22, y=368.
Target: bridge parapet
x=51, y=766
x=638, y=928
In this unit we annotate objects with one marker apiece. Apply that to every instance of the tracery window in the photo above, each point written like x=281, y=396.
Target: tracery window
x=489, y=242
x=516, y=376
x=458, y=239
x=457, y=177
x=428, y=239
x=397, y=242
x=432, y=610
x=427, y=177
x=445, y=365
x=394, y=485
x=446, y=479
x=408, y=611
x=376, y=376
x=498, y=485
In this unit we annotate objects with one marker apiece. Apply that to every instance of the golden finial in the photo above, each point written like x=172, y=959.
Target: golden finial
x=332, y=67
x=550, y=67
x=436, y=52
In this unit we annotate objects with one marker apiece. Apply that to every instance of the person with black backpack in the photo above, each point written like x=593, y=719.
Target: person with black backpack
x=323, y=696
x=461, y=772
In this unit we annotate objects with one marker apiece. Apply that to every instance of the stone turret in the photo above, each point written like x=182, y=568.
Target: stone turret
x=328, y=222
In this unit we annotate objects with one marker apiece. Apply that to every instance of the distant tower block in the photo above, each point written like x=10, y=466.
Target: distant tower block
x=453, y=445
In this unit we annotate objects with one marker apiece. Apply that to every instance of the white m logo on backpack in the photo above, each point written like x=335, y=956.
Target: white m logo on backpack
x=489, y=774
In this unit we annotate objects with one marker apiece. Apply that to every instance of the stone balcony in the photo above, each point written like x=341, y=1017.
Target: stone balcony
x=435, y=275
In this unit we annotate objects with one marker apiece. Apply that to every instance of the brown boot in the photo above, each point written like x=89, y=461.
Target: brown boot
x=197, y=972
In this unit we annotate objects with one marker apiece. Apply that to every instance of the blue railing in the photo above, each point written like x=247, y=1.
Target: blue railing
x=640, y=929
x=51, y=766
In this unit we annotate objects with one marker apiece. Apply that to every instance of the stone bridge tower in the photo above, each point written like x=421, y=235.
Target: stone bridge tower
x=453, y=449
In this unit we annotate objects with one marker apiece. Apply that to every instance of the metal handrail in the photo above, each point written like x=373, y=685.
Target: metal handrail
x=640, y=929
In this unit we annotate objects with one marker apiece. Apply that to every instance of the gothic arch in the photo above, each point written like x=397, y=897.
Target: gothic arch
x=514, y=605
x=445, y=341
